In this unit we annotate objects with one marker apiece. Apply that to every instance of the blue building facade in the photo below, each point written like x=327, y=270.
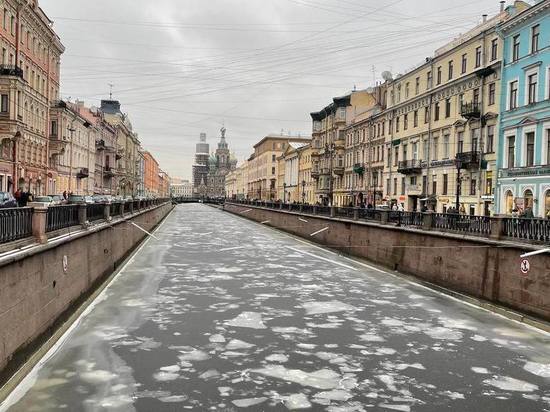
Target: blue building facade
x=523, y=159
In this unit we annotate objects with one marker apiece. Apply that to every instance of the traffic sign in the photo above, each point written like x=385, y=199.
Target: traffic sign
x=525, y=266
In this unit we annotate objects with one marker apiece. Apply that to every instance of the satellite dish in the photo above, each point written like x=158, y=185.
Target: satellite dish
x=387, y=76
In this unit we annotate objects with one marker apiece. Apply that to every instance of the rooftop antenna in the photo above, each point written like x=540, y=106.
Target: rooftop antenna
x=110, y=90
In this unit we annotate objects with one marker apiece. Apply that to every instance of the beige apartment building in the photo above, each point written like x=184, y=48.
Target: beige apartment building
x=127, y=158
x=75, y=163
x=444, y=113
x=29, y=82
x=236, y=182
x=294, y=180
x=263, y=165
x=334, y=154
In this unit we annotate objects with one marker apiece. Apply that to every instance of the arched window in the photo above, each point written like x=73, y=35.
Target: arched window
x=509, y=201
x=528, y=196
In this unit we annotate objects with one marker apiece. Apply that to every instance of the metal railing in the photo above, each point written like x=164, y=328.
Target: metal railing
x=95, y=211
x=116, y=209
x=531, y=230
x=537, y=230
x=60, y=217
x=15, y=224
x=478, y=225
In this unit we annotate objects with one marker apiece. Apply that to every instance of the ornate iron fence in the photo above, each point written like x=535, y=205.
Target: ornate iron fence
x=346, y=212
x=95, y=212
x=527, y=229
x=15, y=224
x=370, y=214
x=60, y=217
x=477, y=225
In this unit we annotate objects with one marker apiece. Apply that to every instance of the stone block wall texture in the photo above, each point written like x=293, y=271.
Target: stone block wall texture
x=35, y=291
x=480, y=268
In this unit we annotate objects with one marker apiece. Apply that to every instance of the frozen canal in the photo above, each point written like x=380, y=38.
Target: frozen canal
x=224, y=314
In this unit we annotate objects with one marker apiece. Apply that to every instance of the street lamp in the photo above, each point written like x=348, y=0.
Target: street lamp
x=329, y=154
x=458, y=183
x=303, y=191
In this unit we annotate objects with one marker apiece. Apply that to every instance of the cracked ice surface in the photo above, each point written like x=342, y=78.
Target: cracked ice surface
x=235, y=320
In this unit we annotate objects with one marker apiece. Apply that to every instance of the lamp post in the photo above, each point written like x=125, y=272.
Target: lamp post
x=303, y=191
x=284, y=192
x=329, y=154
x=458, y=183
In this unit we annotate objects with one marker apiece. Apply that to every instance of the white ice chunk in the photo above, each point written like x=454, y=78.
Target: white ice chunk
x=277, y=357
x=540, y=369
x=321, y=379
x=371, y=337
x=334, y=395
x=507, y=383
x=297, y=401
x=402, y=408
x=97, y=376
x=245, y=403
x=482, y=371
x=171, y=368
x=194, y=355
x=238, y=344
x=248, y=320
x=316, y=308
x=165, y=376
x=211, y=373
x=443, y=333
x=217, y=338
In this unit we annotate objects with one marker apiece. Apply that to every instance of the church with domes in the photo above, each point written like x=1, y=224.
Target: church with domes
x=219, y=165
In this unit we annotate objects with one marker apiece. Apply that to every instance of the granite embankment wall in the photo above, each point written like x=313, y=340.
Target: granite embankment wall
x=41, y=285
x=482, y=268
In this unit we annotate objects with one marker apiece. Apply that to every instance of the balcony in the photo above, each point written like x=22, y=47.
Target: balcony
x=338, y=169
x=56, y=147
x=468, y=160
x=100, y=144
x=410, y=167
x=470, y=110
x=83, y=173
x=9, y=70
x=359, y=168
x=108, y=172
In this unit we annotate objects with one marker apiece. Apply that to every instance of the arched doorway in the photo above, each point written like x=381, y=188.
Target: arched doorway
x=509, y=202
x=528, y=199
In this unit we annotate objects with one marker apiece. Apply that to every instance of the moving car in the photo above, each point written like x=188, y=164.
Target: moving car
x=7, y=200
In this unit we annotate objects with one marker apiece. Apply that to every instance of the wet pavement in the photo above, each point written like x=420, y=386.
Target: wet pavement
x=224, y=314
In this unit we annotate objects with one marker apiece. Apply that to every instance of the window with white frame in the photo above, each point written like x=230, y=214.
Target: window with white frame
x=510, y=152
x=512, y=95
x=531, y=83
x=546, y=148
x=529, y=142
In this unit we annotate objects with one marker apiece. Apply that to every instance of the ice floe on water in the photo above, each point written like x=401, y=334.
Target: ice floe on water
x=321, y=379
x=317, y=308
x=371, y=337
x=277, y=357
x=507, y=383
x=296, y=401
x=251, y=320
x=481, y=371
x=217, y=338
x=236, y=344
x=211, y=373
x=443, y=333
x=171, y=368
x=402, y=408
x=193, y=355
x=97, y=376
x=325, y=397
x=539, y=369
x=246, y=403
x=165, y=376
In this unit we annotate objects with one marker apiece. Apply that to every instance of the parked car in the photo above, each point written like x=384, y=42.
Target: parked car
x=80, y=199
x=41, y=201
x=102, y=198
x=7, y=200
x=58, y=199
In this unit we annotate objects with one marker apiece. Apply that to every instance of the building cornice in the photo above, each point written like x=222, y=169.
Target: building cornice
x=528, y=14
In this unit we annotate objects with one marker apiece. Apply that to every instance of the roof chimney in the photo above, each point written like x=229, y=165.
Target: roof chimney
x=502, y=4
x=484, y=17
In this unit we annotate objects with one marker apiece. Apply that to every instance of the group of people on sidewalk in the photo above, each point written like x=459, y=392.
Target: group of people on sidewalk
x=23, y=197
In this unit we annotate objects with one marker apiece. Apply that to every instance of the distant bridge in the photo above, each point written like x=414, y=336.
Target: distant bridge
x=207, y=200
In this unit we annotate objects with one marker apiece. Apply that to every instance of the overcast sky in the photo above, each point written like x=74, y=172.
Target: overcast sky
x=181, y=67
